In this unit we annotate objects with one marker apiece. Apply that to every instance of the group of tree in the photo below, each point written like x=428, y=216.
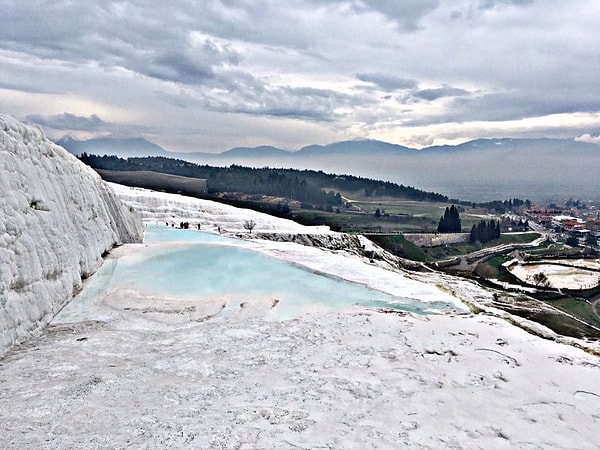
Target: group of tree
x=503, y=206
x=509, y=224
x=577, y=204
x=450, y=221
x=572, y=241
x=380, y=212
x=591, y=240
x=485, y=231
x=307, y=186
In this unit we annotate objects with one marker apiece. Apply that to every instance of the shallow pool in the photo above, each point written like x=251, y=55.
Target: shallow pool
x=195, y=266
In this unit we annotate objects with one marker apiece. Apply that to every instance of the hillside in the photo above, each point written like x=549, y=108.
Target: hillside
x=308, y=186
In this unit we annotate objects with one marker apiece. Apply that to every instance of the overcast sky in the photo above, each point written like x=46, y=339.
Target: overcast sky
x=211, y=75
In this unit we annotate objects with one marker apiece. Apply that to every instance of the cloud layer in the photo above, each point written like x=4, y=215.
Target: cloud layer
x=210, y=75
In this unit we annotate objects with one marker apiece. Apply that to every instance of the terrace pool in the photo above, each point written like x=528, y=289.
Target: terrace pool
x=195, y=266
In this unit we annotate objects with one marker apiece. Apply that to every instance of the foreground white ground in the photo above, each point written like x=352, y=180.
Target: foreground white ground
x=345, y=380
x=161, y=373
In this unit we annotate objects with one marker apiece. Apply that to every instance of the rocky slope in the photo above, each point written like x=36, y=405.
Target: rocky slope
x=57, y=219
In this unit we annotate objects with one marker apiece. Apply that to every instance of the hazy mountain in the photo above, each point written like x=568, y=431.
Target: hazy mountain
x=264, y=151
x=132, y=147
x=478, y=170
x=357, y=147
x=112, y=146
x=540, y=169
x=538, y=147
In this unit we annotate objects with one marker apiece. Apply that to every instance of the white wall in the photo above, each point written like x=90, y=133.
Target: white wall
x=57, y=217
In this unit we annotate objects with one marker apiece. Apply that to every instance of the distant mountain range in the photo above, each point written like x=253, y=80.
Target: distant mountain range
x=123, y=148
x=478, y=170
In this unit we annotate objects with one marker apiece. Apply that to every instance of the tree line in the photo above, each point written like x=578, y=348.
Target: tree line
x=485, y=231
x=306, y=186
x=502, y=206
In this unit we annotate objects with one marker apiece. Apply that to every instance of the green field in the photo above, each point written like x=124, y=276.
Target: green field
x=492, y=268
x=579, y=307
x=430, y=212
x=399, y=246
x=395, y=215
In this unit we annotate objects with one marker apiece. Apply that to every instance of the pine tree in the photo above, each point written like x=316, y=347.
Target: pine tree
x=456, y=223
x=450, y=222
x=485, y=231
x=473, y=234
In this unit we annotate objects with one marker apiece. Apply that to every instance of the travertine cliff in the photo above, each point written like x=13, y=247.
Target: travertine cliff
x=57, y=218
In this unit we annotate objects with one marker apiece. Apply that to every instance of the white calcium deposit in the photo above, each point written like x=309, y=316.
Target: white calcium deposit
x=172, y=209
x=167, y=373
x=57, y=218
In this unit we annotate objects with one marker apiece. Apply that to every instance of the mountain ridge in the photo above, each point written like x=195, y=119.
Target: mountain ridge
x=124, y=147
x=484, y=169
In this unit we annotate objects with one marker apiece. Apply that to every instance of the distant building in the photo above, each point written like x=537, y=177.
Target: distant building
x=511, y=223
x=567, y=223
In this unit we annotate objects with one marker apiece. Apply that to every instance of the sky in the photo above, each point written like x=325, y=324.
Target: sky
x=193, y=75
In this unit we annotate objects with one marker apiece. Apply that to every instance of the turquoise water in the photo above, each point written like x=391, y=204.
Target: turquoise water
x=162, y=234
x=192, y=265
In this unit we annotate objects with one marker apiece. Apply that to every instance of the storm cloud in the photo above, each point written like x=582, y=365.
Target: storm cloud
x=387, y=82
x=434, y=94
x=67, y=121
x=210, y=75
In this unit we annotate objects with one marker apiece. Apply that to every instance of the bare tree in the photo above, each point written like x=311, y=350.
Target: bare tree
x=540, y=279
x=249, y=225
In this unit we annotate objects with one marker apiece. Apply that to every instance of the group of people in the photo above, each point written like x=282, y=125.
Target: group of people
x=186, y=226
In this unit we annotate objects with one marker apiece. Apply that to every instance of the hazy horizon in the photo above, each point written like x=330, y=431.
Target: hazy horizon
x=539, y=170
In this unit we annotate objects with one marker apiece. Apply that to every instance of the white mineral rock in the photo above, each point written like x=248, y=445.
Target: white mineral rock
x=57, y=217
